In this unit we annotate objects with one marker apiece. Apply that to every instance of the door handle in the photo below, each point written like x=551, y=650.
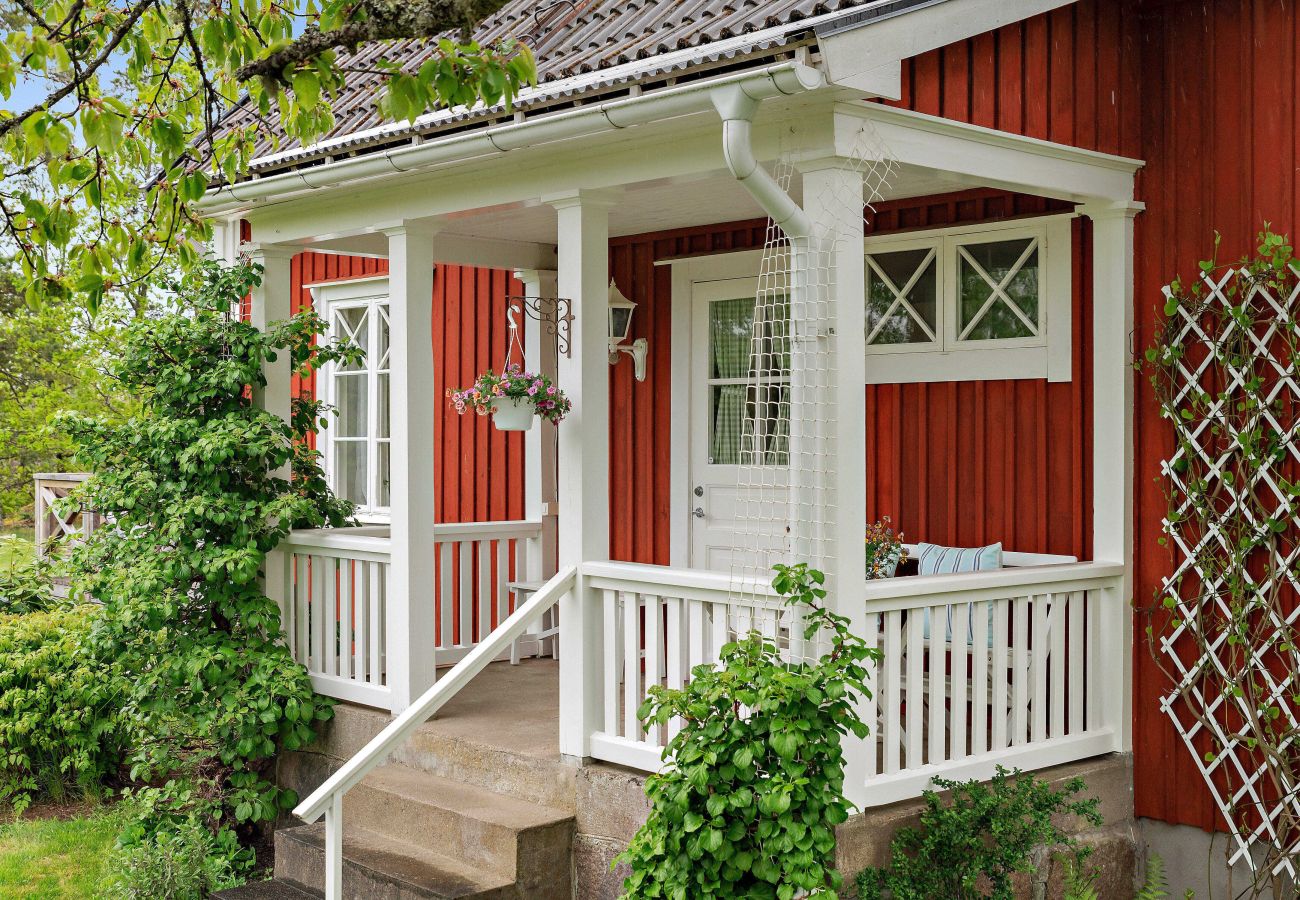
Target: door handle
x=698, y=513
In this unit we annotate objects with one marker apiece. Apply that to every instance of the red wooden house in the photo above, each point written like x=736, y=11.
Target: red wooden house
x=887, y=259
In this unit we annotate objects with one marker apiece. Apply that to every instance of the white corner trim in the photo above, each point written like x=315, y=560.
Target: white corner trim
x=679, y=453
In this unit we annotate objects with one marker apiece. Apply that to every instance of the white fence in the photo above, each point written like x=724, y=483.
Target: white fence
x=1013, y=667
x=55, y=525
x=335, y=612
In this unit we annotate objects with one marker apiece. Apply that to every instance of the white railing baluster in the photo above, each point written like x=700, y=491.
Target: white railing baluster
x=1000, y=699
x=1039, y=650
x=653, y=650
x=1019, y=671
x=961, y=634
x=612, y=643
x=893, y=688
x=465, y=594
x=378, y=597
x=631, y=663
x=484, y=590
x=869, y=707
x=1075, y=647
x=361, y=614
x=937, y=683
x=914, y=686
x=1056, y=663
x=345, y=618
x=981, y=647
x=334, y=849
x=676, y=661
x=446, y=598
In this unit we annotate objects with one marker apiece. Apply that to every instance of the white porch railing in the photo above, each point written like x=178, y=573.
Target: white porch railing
x=335, y=612
x=1025, y=675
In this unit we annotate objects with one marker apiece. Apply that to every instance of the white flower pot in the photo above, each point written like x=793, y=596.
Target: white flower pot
x=512, y=414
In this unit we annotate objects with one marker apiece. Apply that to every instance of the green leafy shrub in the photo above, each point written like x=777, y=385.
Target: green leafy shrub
x=183, y=861
x=190, y=485
x=60, y=721
x=26, y=585
x=753, y=790
x=971, y=847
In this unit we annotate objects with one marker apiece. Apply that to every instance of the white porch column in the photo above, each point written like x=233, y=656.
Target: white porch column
x=583, y=220
x=1112, y=451
x=833, y=201
x=410, y=641
x=270, y=302
x=539, y=442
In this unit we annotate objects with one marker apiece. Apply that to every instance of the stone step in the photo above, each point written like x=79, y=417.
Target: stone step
x=267, y=890
x=378, y=867
x=438, y=748
x=541, y=779
x=496, y=832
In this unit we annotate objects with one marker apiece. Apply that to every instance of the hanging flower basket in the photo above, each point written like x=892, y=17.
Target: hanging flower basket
x=512, y=398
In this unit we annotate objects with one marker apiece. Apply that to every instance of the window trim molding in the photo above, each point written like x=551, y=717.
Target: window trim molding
x=1048, y=355
x=328, y=296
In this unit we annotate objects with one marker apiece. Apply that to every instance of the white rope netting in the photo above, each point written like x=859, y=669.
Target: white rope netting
x=786, y=485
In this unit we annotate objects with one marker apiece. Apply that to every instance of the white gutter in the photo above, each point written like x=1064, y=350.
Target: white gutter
x=779, y=79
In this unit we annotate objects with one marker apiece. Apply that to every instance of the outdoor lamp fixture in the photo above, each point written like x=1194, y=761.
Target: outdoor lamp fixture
x=620, y=326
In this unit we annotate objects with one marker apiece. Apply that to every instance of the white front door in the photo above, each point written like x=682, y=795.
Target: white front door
x=739, y=442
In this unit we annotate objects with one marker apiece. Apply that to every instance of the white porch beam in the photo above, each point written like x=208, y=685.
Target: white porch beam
x=1112, y=448
x=583, y=220
x=986, y=157
x=410, y=587
x=833, y=202
x=540, y=490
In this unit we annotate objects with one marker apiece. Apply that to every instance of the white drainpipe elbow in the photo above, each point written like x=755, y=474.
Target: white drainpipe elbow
x=737, y=109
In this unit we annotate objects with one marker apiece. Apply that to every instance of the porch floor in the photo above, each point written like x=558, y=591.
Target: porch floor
x=509, y=708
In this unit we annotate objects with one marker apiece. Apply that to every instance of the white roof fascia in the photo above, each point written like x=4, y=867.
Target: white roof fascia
x=869, y=56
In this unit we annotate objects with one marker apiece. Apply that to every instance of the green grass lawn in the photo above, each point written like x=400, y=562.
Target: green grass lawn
x=15, y=546
x=54, y=859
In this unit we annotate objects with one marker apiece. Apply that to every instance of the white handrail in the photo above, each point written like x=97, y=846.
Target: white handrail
x=925, y=588
x=397, y=731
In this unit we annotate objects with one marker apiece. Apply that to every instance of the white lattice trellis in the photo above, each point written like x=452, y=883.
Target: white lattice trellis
x=1233, y=524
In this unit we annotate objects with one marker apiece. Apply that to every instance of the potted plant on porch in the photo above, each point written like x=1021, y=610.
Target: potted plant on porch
x=512, y=398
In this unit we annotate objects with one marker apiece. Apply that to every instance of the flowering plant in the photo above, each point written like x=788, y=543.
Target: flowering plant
x=884, y=549
x=514, y=383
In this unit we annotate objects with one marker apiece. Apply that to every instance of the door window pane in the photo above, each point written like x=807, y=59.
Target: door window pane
x=902, y=297
x=998, y=290
x=384, y=411
x=350, y=324
x=384, y=466
x=731, y=338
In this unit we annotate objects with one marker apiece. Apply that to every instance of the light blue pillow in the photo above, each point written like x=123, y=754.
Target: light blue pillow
x=933, y=559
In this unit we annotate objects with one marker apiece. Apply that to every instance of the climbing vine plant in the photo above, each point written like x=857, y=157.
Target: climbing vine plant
x=1224, y=625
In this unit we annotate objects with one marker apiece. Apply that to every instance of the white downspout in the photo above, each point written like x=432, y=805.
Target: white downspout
x=737, y=109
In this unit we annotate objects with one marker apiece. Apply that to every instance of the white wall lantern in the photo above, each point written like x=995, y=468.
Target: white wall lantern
x=620, y=326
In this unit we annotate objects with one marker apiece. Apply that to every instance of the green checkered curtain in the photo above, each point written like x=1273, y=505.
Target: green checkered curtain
x=731, y=334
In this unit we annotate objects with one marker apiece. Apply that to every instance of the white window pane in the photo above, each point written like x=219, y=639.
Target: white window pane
x=998, y=290
x=382, y=457
x=385, y=404
x=352, y=403
x=902, y=297
x=350, y=481
x=351, y=324
x=381, y=352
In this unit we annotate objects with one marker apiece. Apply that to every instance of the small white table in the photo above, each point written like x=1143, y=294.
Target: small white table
x=548, y=633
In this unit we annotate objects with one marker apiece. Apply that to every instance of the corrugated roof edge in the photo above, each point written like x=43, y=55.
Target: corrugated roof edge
x=757, y=44
x=871, y=14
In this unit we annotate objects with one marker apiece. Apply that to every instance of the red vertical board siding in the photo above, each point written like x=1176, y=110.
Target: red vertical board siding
x=1205, y=94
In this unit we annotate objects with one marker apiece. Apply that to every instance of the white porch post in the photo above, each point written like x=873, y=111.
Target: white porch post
x=1112, y=451
x=410, y=640
x=583, y=220
x=539, y=442
x=270, y=302
x=832, y=191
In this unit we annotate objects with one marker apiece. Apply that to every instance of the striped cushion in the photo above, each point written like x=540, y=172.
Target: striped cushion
x=935, y=560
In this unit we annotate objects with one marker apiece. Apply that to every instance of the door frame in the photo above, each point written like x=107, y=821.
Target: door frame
x=686, y=274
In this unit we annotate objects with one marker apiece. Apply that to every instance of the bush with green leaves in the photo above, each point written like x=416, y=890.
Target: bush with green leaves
x=60, y=720
x=27, y=585
x=970, y=847
x=182, y=862
x=753, y=788
x=190, y=485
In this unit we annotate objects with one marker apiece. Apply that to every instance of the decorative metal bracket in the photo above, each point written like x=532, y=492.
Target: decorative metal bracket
x=554, y=313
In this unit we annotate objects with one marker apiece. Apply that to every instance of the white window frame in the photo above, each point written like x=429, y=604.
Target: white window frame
x=1048, y=354
x=328, y=297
